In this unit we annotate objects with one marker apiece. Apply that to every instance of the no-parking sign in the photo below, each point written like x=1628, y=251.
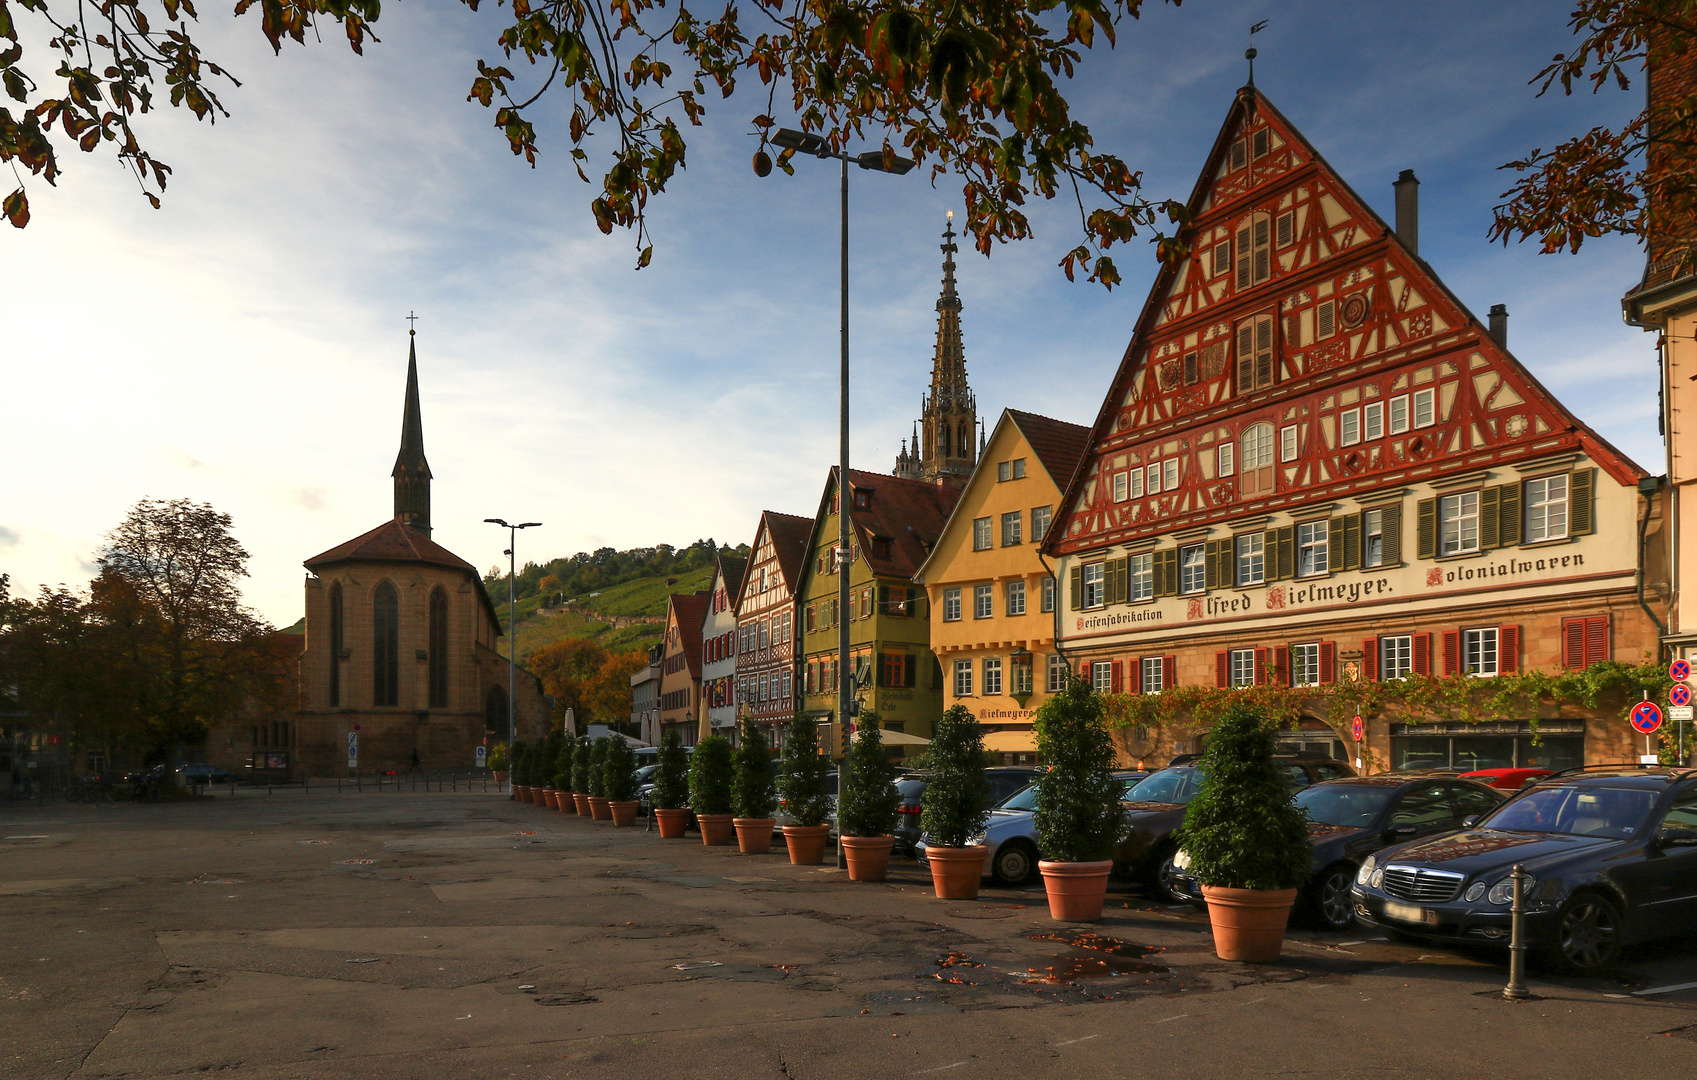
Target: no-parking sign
x=1680, y=695
x=1355, y=728
x=1680, y=670
x=1646, y=716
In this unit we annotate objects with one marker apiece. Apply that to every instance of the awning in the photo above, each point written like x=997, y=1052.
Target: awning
x=1011, y=742
x=901, y=738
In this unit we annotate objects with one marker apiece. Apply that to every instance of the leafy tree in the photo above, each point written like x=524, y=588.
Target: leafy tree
x=597, y=766
x=1243, y=830
x=710, y=776
x=586, y=677
x=671, y=777
x=805, y=770
x=1636, y=180
x=618, y=770
x=497, y=759
x=973, y=88
x=754, y=796
x=955, y=806
x=1079, y=817
x=869, y=802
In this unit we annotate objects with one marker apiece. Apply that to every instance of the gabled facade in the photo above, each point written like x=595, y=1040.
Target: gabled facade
x=991, y=599
x=680, y=666
x=1314, y=464
x=719, y=645
x=767, y=623
x=894, y=523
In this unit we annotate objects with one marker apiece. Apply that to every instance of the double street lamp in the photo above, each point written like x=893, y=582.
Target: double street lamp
x=512, y=631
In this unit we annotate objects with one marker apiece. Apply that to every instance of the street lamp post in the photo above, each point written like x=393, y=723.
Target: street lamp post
x=802, y=142
x=512, y=631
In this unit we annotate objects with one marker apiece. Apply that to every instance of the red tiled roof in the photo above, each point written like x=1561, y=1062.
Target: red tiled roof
x=733, y=569
x=688, y=610
x=789, y=533
x=909, y=513
x=394, y=542
x=1060, y=446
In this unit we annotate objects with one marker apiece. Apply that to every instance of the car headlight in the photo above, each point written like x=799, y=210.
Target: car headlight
x=1181, y=860
x=1378, y=877
x=975, y=840
x=1503, y=891
x=1366, y=872
x=1474, y=892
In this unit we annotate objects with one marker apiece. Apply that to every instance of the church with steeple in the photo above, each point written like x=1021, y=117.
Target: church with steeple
x=946, y=438
x=400, y=643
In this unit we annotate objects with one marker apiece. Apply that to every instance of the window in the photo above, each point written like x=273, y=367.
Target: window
x=1011, y=528
x=1048, y=600
x=1326, y=319
x=1095, y=585
x=1102, y=677
x=1312, y=554
x=336, y=643
x=1399, y=414
x=992, y=675
x=1136, y=478
x=981, y=534
x=1584, y=641
x=765, y=632
x=1169, y=474
x=1287, y=443
x=1254, y=253
x=1191, y=373
x=1260, y=143
x=1057, y=674
x=1003, y=473
x=1373, y=420
x=1239, y=155
x=1140, y=579
x=1122, y=487
x=892, y=669
x=1010, y=470
x=1546, y=508
x=880, y=547
x=1222, y=257
x=1349, y=427
x=1242, y=667
x=1396, y=657
x=1192, y=569
x=1154, y=674
x=438, y=651
x=1458, y=522
x=1018, y=465
x=963, y=678
x=1255, y=354
x=1154, y=472
x=1479, y=651
x=951, y=605
x=1016, y=597
x=1285, y=229
x=1425, y=414
x=787, y=684
x=1251, y=558
x=1223, y=460
x=862, y=500
x=386, y=646
x=865, y=612
x=1305, y=664
x=1040, y=516
x=1256, y=461
x=1372, y=538
x=1019, y=675
x=983, y=601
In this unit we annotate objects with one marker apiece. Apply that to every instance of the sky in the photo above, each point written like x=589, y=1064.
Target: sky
x=246, y=344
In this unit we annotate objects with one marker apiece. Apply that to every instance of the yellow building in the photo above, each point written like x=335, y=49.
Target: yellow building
x=992, y=600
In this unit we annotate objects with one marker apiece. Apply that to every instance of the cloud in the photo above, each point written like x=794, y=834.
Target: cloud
x=8, y=538
x=309, y=498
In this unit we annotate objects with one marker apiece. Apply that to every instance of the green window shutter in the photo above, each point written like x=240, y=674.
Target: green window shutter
x=909, y=674
x=1426, y=543
x=1391, y=537
x=1352, y=541
x=1490, y=505
x=1508, y=515
x=1159, y=566
x=1217, y=564
x=1270, y=555
x=1334, y=545
x=1287, y=552
x=1581, y=518
x=1169, y=560
x=1077, y=587
x=1116, y=575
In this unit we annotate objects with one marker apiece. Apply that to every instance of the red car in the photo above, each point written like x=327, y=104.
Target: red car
x=1508, y=779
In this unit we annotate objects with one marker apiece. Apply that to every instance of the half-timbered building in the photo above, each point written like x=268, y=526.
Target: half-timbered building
x=1314, y=463
x=768, y=624
x=680, y=667
x=719, y=644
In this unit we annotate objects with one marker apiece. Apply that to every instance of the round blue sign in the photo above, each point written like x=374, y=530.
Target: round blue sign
x=1679, y=695
x=1646, y=716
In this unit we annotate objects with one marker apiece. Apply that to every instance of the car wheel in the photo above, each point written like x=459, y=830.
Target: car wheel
x=1330, y=901
x=1161, y=876
x=1587, y=934
x=1015, y=863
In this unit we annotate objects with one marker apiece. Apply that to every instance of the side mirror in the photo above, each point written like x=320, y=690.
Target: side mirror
x=1470, y=821
x=1397, y=832
x=1677, y=838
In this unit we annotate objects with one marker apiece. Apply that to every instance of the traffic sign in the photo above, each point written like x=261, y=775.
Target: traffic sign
x=1680, y=695
x=1681, y=713
x=482, y=756
x=1646, y=716
x=1680, y=670
x=1355, y=728
x=353, y=749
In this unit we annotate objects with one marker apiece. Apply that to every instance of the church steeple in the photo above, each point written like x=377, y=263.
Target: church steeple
x=412, y=472
x=945, y=451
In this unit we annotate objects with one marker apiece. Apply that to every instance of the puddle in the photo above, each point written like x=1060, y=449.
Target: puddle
x=1112, y=957
x=949, y=968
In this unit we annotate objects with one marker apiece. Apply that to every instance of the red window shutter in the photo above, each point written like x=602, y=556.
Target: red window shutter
x=1573, y=644
x=1596, y=639
x=1370, y=659
x=1136, y=663
x=1084, y=670
x=1261, y=667
x=1222, y=669
x=1118, y=682
x=1328, y=661
x=1452, y=651
x=1169, y=672
x=1508, y=650
x=1422, y=654
x=1281, y=663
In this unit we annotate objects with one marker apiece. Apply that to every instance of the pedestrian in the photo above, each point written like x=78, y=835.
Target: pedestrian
x=415, y=759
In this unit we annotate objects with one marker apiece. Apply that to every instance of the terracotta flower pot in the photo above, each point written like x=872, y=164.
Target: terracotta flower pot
x=520, y=793
x=548, y=798
x=568, y=804
x=623, y=811
x=806, y=843
x=868, y=856
x=1076, y=889
x=581, y=801
x=1249, y=924
x=598, y=808
x=955, y=871
x=716, y=829
x=671, y=822
x=754, y=834
x=500, y=776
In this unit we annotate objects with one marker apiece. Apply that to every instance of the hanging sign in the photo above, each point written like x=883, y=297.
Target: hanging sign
x=1646, y=716
x=1356, y=728
x=1679, y=696
x=1680, y=670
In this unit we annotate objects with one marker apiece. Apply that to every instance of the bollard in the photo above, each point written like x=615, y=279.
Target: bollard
x=1516, y=988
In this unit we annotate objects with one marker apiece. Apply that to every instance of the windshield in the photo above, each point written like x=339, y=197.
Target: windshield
x=1023, y=799
x=1351, y=805
x=1616, y=813
x=1168, y=786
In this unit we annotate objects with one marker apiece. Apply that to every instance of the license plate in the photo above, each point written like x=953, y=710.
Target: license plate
x=1410, y=913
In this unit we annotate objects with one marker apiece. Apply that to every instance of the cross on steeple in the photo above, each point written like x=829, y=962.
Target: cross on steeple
x=412, y=324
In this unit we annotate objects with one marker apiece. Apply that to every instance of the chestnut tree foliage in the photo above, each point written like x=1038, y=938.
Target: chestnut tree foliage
x=966, y=86
x=1638, y=180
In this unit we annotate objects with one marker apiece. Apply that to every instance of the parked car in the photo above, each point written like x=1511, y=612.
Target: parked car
x=781, y=818
x=1010, y=838
x=1508, y=779
x=1004, y=780
x=199, y=774
x=1611, y=855
x=1353, y=817
x=1155, y=811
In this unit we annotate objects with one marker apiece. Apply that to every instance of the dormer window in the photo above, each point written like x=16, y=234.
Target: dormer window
x=880, y=547
x=863, y=500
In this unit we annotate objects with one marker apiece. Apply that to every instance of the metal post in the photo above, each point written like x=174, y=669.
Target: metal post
x=1516, y=988
x=512, y=646
x=845, y=675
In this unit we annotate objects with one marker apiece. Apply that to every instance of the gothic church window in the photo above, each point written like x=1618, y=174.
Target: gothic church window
x=386, y=646
x=336, y=644
x=438, y=649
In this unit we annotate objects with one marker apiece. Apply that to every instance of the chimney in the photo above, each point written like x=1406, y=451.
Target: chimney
x=1408, y=210
x=1499, y=324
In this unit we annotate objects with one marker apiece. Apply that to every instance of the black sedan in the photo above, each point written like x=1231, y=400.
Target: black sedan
x=1611, y=853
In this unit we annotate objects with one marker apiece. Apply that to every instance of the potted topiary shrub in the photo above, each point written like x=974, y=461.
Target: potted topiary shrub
x=955, y=806
x=598, y=780
x=802, y=785
x=563, y=775
x=1247, y=842
x=868, y=803
x=580, y=775
x=1079, y=818
x=752, y=799
x=521, y=788
x=671, y=786
x=618, y=780
x=497, y=762
x=547, y=751
x=710, y=776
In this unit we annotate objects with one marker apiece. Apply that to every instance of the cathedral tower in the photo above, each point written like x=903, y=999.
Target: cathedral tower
x=412, y=472
x=945, y=443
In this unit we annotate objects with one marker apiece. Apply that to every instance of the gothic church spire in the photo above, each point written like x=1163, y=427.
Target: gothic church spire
x=945, y=451
x=412, y=472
